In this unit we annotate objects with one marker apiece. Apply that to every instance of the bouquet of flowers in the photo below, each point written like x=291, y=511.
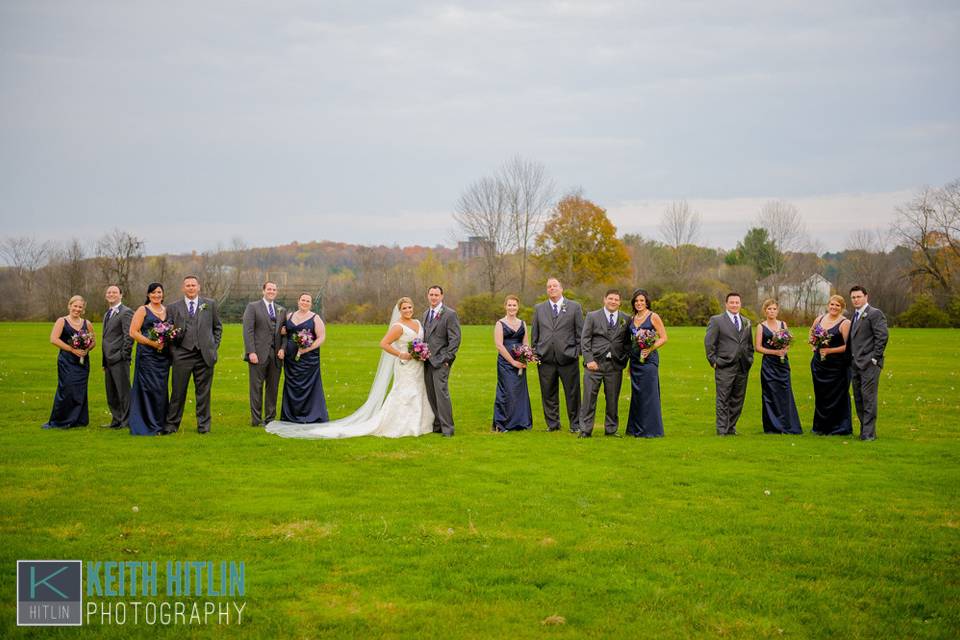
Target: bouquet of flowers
x=820, y=338
x=781, y=340
x=165, y=333
x=303, y=340
x=526, y=355
x=419, y=350
x=82, y=340
x=646, y=338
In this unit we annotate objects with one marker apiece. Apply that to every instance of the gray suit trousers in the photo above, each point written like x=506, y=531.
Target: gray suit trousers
x=865, y=384
x=551, y=375
x=264, y=382
x=731, y=391
x=190, y=364
x=438, y=393
x=610, y=376
x=117, y=380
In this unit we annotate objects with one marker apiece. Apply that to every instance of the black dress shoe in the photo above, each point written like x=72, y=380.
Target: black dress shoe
x=584, y=434
x=574, y=430
x=553, y=428
x=612, y=435
x=447, y=435
x=868, y=438
x=203, y=432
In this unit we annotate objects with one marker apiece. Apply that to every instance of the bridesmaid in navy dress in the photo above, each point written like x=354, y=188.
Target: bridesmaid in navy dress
x=511, y=409
x=303, y=400
x=149, y=398
x=831, y=374
x=645, y=419
x=70, y=402
x=779, y=407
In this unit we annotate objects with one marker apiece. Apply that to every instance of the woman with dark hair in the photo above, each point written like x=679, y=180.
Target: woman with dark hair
x=648, y=334
x=148, y=398
x=73, y=368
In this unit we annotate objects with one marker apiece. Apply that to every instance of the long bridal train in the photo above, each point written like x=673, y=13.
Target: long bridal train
x=403, y=411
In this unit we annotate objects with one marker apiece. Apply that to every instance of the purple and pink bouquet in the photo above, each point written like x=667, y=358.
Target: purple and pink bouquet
x=82, y=340
x=419, y=350
x=646, y=338
x=781, y=340
x=303, y=340
x=820, y=338
x=526, y=355
x=165, y=333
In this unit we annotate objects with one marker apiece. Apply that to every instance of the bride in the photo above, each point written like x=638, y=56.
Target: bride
x=404, y=411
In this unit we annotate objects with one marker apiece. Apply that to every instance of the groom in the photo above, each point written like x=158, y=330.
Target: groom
x=441, y=332
x=195, y=355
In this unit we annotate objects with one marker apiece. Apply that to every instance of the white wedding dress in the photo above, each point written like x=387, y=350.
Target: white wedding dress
x=404, y=411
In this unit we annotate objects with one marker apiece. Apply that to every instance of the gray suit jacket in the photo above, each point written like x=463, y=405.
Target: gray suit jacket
x=557, y=340
x=598, y=338
x=209, y=329
x=868, y=338
x=260, y=334
x=442, y=336
x=725, y=347
x=116, y=341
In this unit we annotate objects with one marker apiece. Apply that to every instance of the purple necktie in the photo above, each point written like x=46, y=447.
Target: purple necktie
x=611, y=321
x=736, y=321
x=430, y=319
x=191, y=308
x=556, y=310
x=273, y=315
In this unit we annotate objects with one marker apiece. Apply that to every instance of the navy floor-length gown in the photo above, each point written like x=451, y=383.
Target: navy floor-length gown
x=303, y=399
x=511, y=409
x=70, y=402
x=779, y=406
x=149, y=396
x=645, y=419
x=831, y=389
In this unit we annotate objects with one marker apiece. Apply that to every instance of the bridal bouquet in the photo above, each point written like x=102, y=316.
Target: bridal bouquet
x=165, y=333
x=82, y=340
x=526, y=355
x=646, y=338
x=303, y=340
x=419, y=350
x=820, y=338
x=781, y=340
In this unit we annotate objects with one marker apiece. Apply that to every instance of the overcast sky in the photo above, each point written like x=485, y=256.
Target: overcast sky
x=191, y=123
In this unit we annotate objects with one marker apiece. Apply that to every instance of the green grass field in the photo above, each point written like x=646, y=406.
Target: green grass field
x=490, y=535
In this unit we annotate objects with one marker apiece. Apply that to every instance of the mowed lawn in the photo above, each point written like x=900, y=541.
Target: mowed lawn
x=490, y=535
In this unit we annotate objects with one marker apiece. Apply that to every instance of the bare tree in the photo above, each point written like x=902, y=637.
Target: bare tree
x=528, y=194
x=784, y=226
x=26, y=255
x=929, y=226
x=680, y=228
x=119, y=254
x=483, y=213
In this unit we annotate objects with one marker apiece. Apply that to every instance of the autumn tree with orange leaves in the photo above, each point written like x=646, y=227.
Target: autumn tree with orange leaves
x=579, y=244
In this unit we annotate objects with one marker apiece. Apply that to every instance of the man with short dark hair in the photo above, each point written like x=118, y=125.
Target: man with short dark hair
x=605, y=344
x=195, y=354
x=729, y=347
x=441, y=332
x=262, y=342
x=116, y=352
x=867, y=342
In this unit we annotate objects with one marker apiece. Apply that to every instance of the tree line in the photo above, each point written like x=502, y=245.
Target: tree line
x=521, y=232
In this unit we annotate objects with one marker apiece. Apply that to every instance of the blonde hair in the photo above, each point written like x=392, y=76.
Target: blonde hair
x=511, y=297
x=768, y=302
x=76, y=299
x=839, y=300
x=402, y=300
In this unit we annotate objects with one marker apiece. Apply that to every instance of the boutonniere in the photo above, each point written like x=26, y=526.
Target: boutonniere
x=203, y=305
x=622, y=322
x=563, y=308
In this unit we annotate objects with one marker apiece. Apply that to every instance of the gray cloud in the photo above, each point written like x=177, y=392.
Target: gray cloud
x=349, y=120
